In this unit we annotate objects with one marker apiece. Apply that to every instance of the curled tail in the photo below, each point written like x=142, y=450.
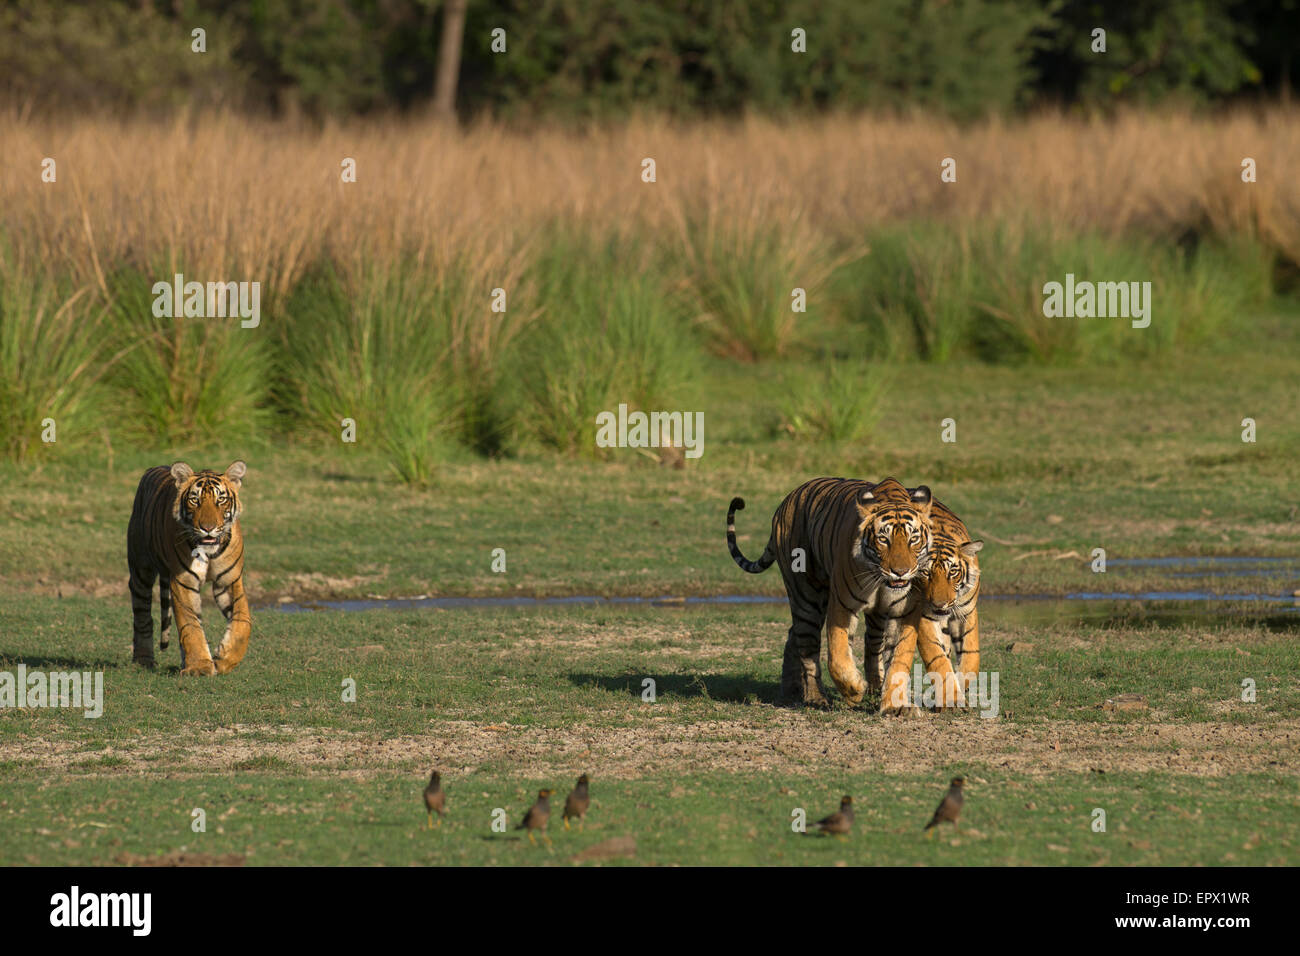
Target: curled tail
x=764, y=560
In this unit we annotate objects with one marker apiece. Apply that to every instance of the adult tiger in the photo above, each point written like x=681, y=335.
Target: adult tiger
x=844, y=546
x=944, y=615
x=184, y=530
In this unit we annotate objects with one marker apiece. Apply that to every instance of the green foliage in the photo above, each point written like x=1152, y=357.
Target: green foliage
x=938, y=292
x=607, y=335
x=838, y=404
x=1190, y=49
x=739, y=283
x=375, y=350
x=321, y=56
x=128, y=56
x=412, y=352
x=184, y=380
x=961, y=58
x=54, y=351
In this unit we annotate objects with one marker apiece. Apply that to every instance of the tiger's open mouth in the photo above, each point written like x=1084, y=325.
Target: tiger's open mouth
x=208, y=541
x=899, y=584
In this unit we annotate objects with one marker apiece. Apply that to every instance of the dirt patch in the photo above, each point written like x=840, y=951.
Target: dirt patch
x=176, y=858
x=783, y=741
x=610, y=849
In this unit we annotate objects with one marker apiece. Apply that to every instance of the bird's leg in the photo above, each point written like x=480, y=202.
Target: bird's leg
x=566, y=823
x=530, y=838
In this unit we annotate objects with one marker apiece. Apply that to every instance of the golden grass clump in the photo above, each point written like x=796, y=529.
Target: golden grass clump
x=230, y=196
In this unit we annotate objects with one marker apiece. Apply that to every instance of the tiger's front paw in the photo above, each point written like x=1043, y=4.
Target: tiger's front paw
x=201, y=669
x=224, y=666
x=906, y=710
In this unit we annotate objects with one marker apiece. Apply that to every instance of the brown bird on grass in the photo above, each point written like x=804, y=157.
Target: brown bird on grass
x=841, y=821
x=538, y=815
x=435, y=801
x=949, y=808
x=575, y=805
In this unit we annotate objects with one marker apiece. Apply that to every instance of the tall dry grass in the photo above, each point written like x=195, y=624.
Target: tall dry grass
x=376, y=294
x=237, y=197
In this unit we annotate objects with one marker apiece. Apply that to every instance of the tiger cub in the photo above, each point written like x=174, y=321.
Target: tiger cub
x=184, y=530
x=844, y=546
x=948, y=618
x=894, y=634
x=951, y=588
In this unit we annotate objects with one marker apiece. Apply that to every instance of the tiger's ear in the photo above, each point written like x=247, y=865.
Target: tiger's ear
x=972, y=548
x=235, y=473
x=921, y=496
x=866, y=497
x=181, y=472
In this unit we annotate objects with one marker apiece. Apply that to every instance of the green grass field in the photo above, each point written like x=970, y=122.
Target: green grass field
x=505, y=702
x=1049, y=464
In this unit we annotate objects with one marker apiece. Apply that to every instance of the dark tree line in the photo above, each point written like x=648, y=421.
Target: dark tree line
x=606, y=57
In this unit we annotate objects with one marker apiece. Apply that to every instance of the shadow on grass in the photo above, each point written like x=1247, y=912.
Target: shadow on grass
x=42, y=663
x=338, y=476
x=722, y=687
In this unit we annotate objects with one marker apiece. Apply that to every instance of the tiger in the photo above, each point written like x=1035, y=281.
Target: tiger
x=844, y=546
x=948, y=592
x=184, y=530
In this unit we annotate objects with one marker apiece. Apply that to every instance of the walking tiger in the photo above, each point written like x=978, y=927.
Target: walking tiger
x=184, y=530
x=845, y=547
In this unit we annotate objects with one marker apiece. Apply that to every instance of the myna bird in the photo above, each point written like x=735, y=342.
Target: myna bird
x=538, y=815
x=839, y=822
x=949, y=808
x=575, y=805
x=434, y=799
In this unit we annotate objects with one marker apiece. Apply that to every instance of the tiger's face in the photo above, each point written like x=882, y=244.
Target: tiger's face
x=895, y=532
x=953, y=573
x=207, y=505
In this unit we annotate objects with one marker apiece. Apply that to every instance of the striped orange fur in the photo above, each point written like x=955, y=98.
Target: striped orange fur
x=845, y=547
x=184, y=530
x=949, y=589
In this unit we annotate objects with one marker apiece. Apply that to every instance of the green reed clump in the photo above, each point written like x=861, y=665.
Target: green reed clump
x=606, y=334
x=365, y=356
x=55, y=349
x=185, y=380
x=839, y=403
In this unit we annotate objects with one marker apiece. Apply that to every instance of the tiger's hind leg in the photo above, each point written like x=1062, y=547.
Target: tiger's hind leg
x=165, y=606
x=801, y=667
x=142, y=580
